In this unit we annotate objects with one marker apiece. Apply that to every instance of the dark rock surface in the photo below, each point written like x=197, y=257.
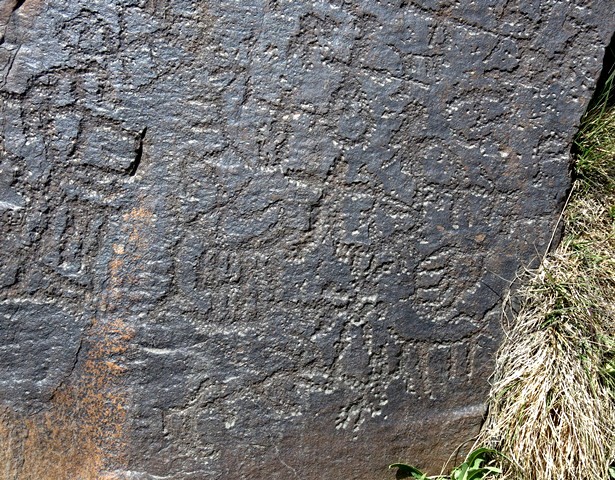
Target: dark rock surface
x=268, y=239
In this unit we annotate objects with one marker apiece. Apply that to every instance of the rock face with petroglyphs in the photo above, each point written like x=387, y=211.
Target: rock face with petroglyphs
x=268, y=239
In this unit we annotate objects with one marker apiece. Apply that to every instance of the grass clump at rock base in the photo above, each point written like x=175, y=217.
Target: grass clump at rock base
x=552, y=407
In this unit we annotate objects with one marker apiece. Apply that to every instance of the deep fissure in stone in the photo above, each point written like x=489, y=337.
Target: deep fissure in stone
x=608, y=67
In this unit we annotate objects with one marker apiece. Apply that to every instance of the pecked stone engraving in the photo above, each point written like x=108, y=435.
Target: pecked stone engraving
x=270, y=238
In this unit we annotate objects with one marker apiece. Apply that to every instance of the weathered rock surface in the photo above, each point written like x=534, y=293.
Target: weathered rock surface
x=268, y=239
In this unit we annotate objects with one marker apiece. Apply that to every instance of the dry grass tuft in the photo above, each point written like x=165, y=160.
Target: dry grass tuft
x=552, y=410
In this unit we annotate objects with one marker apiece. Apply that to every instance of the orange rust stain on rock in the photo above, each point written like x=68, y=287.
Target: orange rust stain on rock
x=139, y=212
x=139, y=218
x=82, y=435
x=52, y=445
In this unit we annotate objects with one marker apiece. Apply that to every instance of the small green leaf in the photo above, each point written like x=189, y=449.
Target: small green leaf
x=408, y=471
x=482, y=453
x=478, y=474
x=460, y=473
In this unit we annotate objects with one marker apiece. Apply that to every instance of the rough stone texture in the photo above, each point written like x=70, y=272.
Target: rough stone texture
x=268, y=239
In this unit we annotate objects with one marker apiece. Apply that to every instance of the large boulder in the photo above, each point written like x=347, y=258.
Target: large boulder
x=270, y=239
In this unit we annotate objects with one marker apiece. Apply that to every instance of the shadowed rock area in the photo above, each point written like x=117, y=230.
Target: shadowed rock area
x=269, y=239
